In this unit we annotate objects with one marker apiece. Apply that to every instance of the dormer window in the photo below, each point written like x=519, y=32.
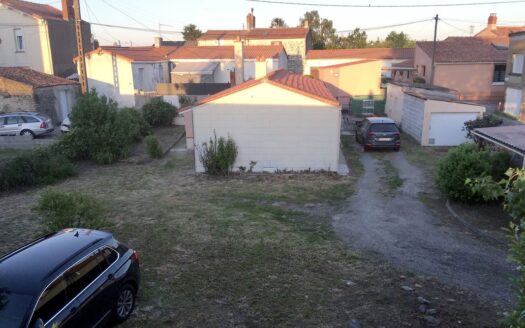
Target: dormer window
x=19, y=40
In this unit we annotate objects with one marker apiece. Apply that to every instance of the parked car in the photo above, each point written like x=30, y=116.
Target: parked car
x=72, y=278
x=25, y=123
x=65, y=126
x=377, y=132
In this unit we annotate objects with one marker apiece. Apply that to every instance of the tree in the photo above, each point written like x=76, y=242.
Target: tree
x=323, y=31
x=356, y=39
x=191, y=32
x=398, y=40
x=278, y=22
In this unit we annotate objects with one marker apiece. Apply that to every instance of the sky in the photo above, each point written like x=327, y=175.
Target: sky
x=173, y=15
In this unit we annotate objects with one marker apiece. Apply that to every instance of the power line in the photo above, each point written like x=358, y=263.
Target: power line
x=388, y=26
x=387, y=6
x=128, y=16
x=136, y=28
x=92, y=13
x=454, y=26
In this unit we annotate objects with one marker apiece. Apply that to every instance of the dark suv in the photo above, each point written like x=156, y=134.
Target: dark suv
x=377, y=132
x=72, y=278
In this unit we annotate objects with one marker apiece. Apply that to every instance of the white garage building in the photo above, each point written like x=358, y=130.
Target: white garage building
x=433, y=117
x=283, y=121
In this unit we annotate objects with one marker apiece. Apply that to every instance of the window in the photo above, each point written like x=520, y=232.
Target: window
x=19, y=39
x=423, y=70
x=29, y=119
x=517, y=64
x=499, y=73
x=53, y=299
x=81, y=275
x=11, y=120
x=384, y=127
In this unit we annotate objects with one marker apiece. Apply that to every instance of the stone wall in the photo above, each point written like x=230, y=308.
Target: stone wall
x=296, y=51
x=10, y=104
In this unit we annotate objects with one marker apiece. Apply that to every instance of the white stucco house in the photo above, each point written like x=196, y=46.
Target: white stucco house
x=40, y=36
x=283, y=121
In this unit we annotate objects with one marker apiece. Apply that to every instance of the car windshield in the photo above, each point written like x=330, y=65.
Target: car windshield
x=383, y=127
x=13, y=308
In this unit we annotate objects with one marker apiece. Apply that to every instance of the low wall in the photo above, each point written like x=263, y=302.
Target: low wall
x=24, y=142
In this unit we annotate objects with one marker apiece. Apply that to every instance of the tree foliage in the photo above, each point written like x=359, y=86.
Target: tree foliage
x=190, y=32
x=323, y=31
x=278, y=22
x=356, y=39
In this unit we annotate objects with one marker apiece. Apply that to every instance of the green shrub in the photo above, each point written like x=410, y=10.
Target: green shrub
x=60, y=210
x=485, y=121
x=38, y=167
x=153, y=147
x=218, y=156
x=419, y=80
x=100, y=131
x=159, y=113
x=464, y=162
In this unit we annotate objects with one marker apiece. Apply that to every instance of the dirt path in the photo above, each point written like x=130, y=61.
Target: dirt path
x=402, y=229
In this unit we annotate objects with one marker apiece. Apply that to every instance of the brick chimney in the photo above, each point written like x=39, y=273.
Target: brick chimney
x=158, y=42
x=250, y=21
x=238, y=52
x=67, y=10
x=492, y=22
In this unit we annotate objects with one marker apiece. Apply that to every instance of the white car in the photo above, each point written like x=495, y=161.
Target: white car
x=65, y=126
x=25, y=123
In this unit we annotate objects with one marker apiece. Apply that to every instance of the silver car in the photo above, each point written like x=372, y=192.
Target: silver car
x=25, y=123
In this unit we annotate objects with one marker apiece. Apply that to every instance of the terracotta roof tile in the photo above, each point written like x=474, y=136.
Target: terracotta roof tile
x=149, y=53
x=257, y=33
x=32, y=77
x=464, y=49
x=499, y=35
x=308, y=86
x=34, y=9
x=368, y=53
x=226, y=52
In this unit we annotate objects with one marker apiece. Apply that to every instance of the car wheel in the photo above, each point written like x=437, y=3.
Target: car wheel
x=27, y=133
x=124, y=303
x=397, y=148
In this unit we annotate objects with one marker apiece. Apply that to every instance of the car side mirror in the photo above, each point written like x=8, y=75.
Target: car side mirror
x=39, y=323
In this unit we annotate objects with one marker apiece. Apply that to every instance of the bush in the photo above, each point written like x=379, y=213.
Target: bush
x=153, y=147
x=60, y=210
x=419, y=80
x=159, y=113
x=218, y=156
x=38, y=167
x=464, y=162
x=485, y=121
x=101, y=132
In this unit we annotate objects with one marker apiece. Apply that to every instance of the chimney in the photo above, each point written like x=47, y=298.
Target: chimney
x=492, y=22
x=250, y=21
x=306, y=24
x=260, y=67
x=158, y=42
x=68, y=12
x=238, y=52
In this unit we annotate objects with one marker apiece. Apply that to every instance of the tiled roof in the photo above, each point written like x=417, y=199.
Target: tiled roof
x=256, y=33
x=226, y=52
x=32, y=77
x=34, y=9
x=368, y=53
x=150, y=53
x=308, y=86
x=464, y=50
x=409, y=63
x=353, y=63
x=499, y=35
x=512, y=136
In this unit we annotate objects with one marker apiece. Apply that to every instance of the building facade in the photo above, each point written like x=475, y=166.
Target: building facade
x=515, y=80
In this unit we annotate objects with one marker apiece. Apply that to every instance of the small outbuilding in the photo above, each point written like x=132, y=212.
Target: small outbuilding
x=26, y=90
x=511, y=138
x=283, y=121
x=433, y=116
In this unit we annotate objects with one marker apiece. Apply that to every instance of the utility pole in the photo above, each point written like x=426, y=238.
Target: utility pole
x=80, y=48
x=432, y=69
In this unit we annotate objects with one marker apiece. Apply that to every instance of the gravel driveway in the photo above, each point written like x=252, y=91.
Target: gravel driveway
x=403, y=230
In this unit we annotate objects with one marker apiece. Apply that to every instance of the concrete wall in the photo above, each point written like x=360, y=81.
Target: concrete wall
x=357, y=79
x=36, y=54
x=412, y=117
x=286, y=131
x=394, y=102
x=386, y=64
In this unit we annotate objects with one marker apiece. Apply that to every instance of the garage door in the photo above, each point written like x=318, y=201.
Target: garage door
x=446, y=129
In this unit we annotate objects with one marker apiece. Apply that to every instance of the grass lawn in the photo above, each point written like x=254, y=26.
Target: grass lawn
x=251, y=250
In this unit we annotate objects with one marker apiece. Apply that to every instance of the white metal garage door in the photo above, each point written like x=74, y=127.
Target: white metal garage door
x=446, y=129
x=513, y=99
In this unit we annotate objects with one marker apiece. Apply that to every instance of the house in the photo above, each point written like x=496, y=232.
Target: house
x=40, y=37
x=472, y=66
x=515, y=80
x=330, y=57
x=26, y=90
x=126, y=74
x=297, y=41
x=219, y=64
x=297, y=127
x=497, y=34
x=433, y=116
